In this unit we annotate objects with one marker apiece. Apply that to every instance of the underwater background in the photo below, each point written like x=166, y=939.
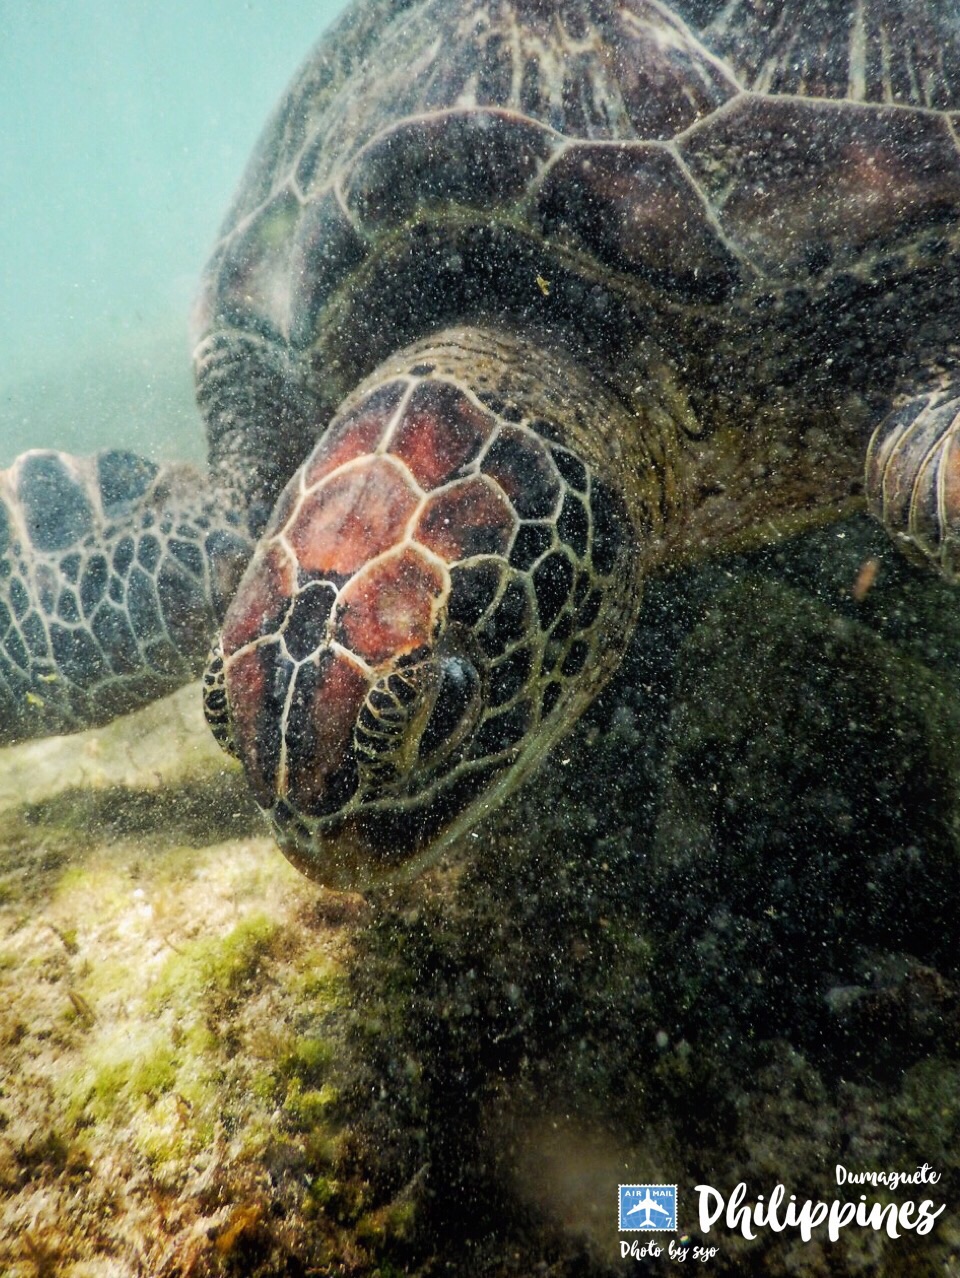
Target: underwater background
x=125, y=130
x=716, y=939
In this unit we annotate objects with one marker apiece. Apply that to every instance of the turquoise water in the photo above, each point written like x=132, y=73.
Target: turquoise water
x=715, y=940
x=126, y=127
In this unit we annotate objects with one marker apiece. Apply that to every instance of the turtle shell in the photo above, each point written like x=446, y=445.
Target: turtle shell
x=562, y=162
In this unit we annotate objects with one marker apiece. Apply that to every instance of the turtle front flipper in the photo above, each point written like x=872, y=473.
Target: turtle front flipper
x=443, y=587
x=114, y=573
x=913, y=475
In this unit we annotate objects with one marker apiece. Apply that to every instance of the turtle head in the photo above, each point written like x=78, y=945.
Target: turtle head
x=440, y=591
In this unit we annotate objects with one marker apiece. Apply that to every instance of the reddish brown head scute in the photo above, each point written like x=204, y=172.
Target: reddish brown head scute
x=422, y=596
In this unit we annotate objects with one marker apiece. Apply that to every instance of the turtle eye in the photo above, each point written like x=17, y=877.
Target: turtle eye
x=456, y=708
x=414, y=719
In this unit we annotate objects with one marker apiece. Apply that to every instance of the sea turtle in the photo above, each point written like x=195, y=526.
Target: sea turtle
x=519, y=301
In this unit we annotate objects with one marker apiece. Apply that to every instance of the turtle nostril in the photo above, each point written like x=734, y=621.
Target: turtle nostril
x=455, y=706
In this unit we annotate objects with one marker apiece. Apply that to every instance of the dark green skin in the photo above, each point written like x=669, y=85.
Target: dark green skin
x=742, y=221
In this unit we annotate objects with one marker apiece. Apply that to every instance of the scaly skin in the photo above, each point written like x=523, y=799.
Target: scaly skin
x=113, y=574
x=442, y=588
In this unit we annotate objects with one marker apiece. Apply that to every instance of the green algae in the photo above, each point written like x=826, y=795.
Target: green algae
x=164, y=1073
x=171, y=1019
x=96, y=889
x=169, y=1079
x=309, y=1107
x=211, y=967
x=123, y=1072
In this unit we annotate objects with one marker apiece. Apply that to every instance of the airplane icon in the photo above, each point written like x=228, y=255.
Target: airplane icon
x=647, y=1204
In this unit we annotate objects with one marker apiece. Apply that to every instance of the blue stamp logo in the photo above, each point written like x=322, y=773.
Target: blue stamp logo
x=648, y=1207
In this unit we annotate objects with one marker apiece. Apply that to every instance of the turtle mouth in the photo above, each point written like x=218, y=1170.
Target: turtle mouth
x=407, y=774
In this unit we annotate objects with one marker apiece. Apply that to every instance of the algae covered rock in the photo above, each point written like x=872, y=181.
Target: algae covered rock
x=714, y=942
x=811, y=819
x=172, y=996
